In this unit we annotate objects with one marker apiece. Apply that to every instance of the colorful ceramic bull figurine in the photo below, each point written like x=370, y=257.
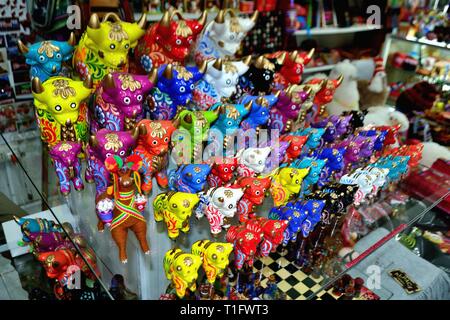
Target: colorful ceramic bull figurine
x=285, y=112
x=174, y=90
x=335, y=160
x=37, y=225
x=223, y=36
x=289, y=67
x=273, y=231
x=119, y=100
x=65, y=158
x=190, y=178
x=46, y=58
x=219, y=205
x=258, y=80
x=182, y=270
x=175, y=208
x=315, y=168
x=295, y=148
x=222, y=172
x=152, y=146
x=314, y=136
x=246, y=239
x=364, y=180
x=169, y=40
x=286, y=183
x=255, y=191
x=215, y=257
x=260, y=112
x=194, y=127
x=104, y=47
x=60, y=108
x=252, y=161
x=219, y=82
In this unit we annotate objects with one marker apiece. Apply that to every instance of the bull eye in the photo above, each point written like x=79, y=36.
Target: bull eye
x=191, y=86
x=178, y=268
x=41, y=58
x=225, y=170
x=58, y=56
x=166, y=139
x=267, y=77
x=73, y=105
x=155, y=142
x=126, y=100
x=178, y=41
x=294, y=107
x=298, y=71
x=232, y=37
x=198, y=180
x=214, y=256
x=174, y=205
x=229, y=123
x=228, y=82
x=122, y=153
x=58, y=107
x=297, y=181
x=127, y=46
x=257, y=192
x=182, y=89
x=55, y=264
x=108, y=155
x=232, y=168
x=139, y=97
x=230, y=206
x=112, y=46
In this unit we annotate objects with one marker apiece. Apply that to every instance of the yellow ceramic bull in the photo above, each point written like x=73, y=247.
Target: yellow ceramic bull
x=61, y=108
x=104, y=47
x=175, y=208
x=286, y=183
x=182, y=269
x=215, y=257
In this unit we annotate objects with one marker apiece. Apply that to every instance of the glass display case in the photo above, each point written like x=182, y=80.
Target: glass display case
x=349, y=250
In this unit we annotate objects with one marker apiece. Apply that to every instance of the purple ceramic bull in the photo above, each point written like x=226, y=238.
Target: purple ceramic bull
x=119, y=99
x=106, y=143
x=351, y=155
x=285, y=111
x=366, y=144
x=45, y=241
x=67, y=165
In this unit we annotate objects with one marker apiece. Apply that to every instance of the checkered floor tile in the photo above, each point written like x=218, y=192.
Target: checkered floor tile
x=294, y=282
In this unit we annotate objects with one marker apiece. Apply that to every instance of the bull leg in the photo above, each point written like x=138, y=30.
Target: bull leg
x=63, y=175
x=76, y=179
x=120, y=234
x=140, y=231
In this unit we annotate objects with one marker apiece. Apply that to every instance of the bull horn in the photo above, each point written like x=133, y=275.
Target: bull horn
x=282, y=58
x=202, y=67
x=188, y=118
x=108, y=81
x=72, y=40
x=254, y=16
x=310, y=53
x=218, y=64
x=168, y=71
x=247, y=60
x=142, y=129
x=142, y=21
x=220, y=18
x=94, y=22
x=259, y=62
x=36, y=85
x=16, y=219
x=260, y=100
x=176, y=122
x=248, y=106
x=93, y=141
x=22, y=47
x=293, y=55
x=218, y=110
x=308, y=90
x=323, y=83
x=339, y=80
x=87, y=83
x=54, y=69
x=202, y=18
x=135, y=133
x=165, y=21
x=153, y=77
x=277, y=94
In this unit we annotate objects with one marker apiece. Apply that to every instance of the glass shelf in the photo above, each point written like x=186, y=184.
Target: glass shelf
x=396, y=211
